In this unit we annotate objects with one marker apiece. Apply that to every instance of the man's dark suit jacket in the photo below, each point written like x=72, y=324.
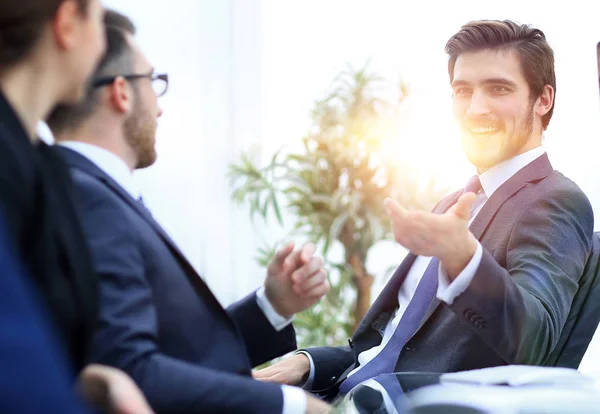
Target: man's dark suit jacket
x=33, y=371
x=159, y=322
x=45, y=231
x=536, y=232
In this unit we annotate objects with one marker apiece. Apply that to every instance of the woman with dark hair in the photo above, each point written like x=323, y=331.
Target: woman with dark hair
x=48, y=49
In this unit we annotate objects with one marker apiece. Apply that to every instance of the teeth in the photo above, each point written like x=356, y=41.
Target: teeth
x=483, y=130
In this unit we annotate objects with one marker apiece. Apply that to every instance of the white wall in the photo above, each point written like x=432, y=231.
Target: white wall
x=212, y=52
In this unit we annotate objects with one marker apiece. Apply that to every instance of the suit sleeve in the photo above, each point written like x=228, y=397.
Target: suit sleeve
x=127, y=336
x=520, y=311
x=330, y=364
x=261, y=339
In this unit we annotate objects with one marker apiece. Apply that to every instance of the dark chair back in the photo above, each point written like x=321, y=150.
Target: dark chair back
x=584, y=316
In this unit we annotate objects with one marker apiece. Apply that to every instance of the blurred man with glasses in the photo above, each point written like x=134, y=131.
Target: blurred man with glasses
x=159, y=321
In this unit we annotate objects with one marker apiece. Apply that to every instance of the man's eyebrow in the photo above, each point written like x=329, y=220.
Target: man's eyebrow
x=456, y=83
x=490, y=81
x=499, y=81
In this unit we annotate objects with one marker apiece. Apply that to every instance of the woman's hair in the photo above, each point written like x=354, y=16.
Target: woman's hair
x=22, y=23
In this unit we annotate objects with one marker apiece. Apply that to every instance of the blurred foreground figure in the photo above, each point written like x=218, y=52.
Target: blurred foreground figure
x=48, y=49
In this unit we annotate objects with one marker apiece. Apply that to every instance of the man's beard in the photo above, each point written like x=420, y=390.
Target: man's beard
x=486, y=152
x=520, y=137
x=140, y=131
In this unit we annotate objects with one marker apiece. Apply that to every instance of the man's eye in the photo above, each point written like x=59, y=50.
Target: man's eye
x=499, y=89
x=462, y=91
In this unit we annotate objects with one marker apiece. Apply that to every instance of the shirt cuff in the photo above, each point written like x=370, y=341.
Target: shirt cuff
x=447, y=291
x=311, y=374
x=294, y=400
x=278, y=321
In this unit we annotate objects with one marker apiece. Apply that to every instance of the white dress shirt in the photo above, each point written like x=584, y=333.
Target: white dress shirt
x=294, y=399
x=447, y=291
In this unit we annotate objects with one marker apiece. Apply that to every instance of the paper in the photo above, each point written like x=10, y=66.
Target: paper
x=516, y=375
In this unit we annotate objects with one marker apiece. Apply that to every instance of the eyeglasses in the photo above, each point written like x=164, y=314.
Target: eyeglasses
x=160, y=81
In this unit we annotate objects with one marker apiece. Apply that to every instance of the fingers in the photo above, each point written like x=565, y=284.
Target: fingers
x=393, y=208
x=263, y=373
x=307, y=252
x=319, y=290
x=462, y=208
x=313, y=285
x=288, y=371
x=284, y=252
x=299, y=258
x=299, y=275
x=112, y=390
x=94, y=384
x=275, y=376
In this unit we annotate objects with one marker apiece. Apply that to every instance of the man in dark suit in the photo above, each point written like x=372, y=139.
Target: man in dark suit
x=158, y=320
x=492, y=272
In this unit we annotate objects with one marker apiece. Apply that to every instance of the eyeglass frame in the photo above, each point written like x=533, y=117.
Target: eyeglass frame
x=107, y=80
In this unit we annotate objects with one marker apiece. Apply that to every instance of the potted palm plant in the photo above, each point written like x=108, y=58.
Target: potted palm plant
x=333, y=191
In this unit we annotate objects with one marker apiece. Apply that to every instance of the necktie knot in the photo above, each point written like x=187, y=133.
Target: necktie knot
x=473, y=185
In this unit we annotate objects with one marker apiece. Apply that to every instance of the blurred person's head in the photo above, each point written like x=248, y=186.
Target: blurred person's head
x=48, y=50
x=503, y=81
x=120, y=109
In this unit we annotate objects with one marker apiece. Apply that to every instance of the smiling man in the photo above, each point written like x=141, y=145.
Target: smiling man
x=494, y=269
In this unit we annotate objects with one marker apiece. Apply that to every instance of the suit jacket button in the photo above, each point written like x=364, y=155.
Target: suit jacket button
x=333, y=378
x=467, y=313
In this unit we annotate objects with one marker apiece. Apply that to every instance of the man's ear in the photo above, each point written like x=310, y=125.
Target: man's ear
x=121, y=96
x=65, y=23
x=545, y=101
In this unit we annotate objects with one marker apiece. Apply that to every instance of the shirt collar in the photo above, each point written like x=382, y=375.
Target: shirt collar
x=108, y=162
x=493, y=178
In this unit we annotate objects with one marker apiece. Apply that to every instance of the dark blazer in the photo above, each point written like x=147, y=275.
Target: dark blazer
x=536, y=231
x=159, y=321
x=45, y=231
x=34, y=376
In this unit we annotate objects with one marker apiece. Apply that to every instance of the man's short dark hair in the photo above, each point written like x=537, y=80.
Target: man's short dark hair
x=22, y=23
x=536, y=55
x=117, y=60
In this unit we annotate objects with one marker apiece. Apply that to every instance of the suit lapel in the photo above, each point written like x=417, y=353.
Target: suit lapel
x=78, y=161
x=534, y=171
